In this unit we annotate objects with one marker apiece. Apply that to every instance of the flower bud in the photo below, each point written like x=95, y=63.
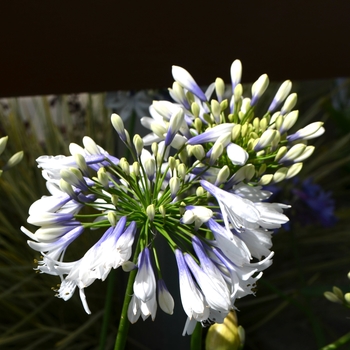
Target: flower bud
x=306, y=154
x=236, y=73
x=258, y=88
x=124, y=164
x=198, y=151
x=14, y=160
x=294, y=170
x=289, y=103
x=112, y=218
x=165, y=300
x=289, y=121
x=181, y=171
x=219, y=88
x=281, y=94
x=280, y=153
x=293, y=153
x=223, y=175
x=150, y=211
x=280, y=175
x=217, y=150
x=3, y=143
x=103, y=177
x=150, y=167
x=265, y=139
x=138, y=143
x=174, y=185
x=236, y=131
x=118, y=125
x=136, y=168
x=215, y=110
x=81, y=162
x=195, y=109
x=265, y=179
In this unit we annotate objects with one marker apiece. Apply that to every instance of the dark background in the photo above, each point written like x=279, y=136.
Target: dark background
x=65, y=46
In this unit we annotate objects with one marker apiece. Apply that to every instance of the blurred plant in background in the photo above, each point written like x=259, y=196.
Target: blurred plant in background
x=309, y=259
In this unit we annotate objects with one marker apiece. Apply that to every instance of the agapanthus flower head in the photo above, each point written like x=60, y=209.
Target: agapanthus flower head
x=205, y=200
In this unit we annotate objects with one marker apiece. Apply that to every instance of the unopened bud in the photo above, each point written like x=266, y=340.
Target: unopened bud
x=265, y=179
x=294, y=170
x=150, y=211
x=219, y=88
x=124, y=164
x=198, y=151
x=103, y=177
x=14, y=160
x=181, y=171
x=223, y=175
x=3, y=143
x=138, y=143
x=289, y=103
x=112, y=218
x=280, y=175
x=174, y=185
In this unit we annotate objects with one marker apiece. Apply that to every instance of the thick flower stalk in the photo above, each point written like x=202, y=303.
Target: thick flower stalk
x=205, y=200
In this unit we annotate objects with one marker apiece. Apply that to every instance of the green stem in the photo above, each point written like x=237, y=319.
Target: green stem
x=124, y=323
x=107, y=310
x=196, y=337
x=341, y=341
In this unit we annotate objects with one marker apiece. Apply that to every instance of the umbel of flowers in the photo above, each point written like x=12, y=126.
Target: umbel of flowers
x=198, y=187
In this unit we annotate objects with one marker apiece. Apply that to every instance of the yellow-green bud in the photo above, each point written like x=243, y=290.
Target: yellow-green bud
x=150, y=167
x=181, y=171
x=150, y=211
x=174, y=185
x=195, y=109
x=199, y=191
x=124, y=164
x=117, y=123
x=338, y=292
x=256, y=124
x=236, y=131
x=138, y=143
x=162, y=210
x=136, y=168
x=289, y=121
x=215, y=110
x=280, y=174
x=222, y=336
x=262, y=169
x=103, y=177
x=198, y=124
x=280, y=153
x=67, y=188
x=198, y=152
x=306, y=154
x=3, y=143
x=14, y=160
x=263, y=124
x=171, y=162
x=112, y=218
x=217, y=150
x=332, y=297
x=289, y=103
x=219, y=88
x=294, y=170
x=223, y=175
x=114, y=199
x=237, y=92
x=244, y=130
x=80, y=160
x=294, y=152
x=154, y=148
x=223, y=104
x=265, y=179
